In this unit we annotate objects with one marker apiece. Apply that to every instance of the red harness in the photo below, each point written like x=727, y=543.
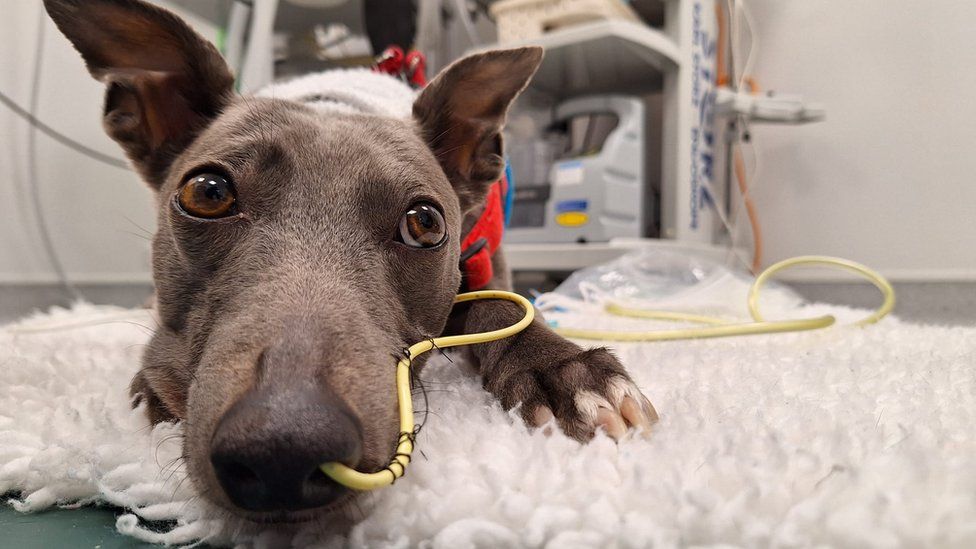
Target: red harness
x=481, y=242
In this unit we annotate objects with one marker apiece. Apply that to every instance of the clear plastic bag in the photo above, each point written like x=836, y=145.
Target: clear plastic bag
x=679, y=280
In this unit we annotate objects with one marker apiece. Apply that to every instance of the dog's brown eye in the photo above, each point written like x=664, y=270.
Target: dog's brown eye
x=422, y=226
x=207, y=195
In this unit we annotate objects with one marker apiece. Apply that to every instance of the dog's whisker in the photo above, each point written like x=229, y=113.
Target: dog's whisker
x=171, y=468
x=169, y=477
x=440, y=155
x=137, y=235
x=175, y=467
x=147, y=329
x=192, y=499
x=136, y=225
x=426, y=412
x=178, y=486
x=448, y=390
x=165, y=467
x=159, y=443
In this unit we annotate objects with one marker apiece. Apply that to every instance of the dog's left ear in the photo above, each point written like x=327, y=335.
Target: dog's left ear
x=462, y=112
x=165, y=82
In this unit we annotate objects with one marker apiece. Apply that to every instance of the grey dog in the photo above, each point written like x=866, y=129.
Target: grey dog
x=297, y=252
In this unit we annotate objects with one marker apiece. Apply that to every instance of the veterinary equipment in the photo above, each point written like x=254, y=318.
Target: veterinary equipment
x=596, y=187
x=357, y=480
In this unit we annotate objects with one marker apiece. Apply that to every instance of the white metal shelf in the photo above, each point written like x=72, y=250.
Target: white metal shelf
x=624, y=57
x=570, y=257
x=604, y=56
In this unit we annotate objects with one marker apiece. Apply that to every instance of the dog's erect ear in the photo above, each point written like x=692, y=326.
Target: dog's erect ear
x=165, y=82
x=462, y=111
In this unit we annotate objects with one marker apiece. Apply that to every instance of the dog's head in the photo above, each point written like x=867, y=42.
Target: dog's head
x=296, y=253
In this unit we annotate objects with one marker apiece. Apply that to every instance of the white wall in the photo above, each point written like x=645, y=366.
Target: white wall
x=96, y=213
x=889, y=179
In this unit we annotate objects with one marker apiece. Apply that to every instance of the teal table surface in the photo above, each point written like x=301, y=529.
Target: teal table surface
x=90, y=527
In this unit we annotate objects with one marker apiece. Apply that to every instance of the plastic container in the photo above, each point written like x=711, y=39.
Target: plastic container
x=520, y=20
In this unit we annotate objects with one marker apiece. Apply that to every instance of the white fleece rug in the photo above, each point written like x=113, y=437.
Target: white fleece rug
x=845, y=438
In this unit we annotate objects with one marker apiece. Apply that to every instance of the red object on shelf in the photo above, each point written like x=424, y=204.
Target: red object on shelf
x=415, y=68
x=390, y=61
x=410, y=67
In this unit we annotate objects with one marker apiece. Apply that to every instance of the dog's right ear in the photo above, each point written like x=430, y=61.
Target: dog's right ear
x=165, y=82
x=462, y=111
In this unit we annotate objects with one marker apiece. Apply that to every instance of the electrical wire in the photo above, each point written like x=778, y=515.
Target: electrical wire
x=722, y=79
x=751, y=177
x=47, y=242
x=60, y=137
x=728, y=225
x=728, y=32
x=750, y=23
x=465, y=16
x=721, y=72
x=751, y=212
x=746, y=80
x=234, y=38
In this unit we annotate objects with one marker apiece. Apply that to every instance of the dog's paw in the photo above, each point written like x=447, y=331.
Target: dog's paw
x=586, y=392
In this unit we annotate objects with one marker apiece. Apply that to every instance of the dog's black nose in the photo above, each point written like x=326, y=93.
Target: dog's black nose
x=267, y=449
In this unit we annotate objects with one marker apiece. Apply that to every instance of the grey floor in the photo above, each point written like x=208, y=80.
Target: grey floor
x=950, y=303
x=17, y=300
x=947, y=303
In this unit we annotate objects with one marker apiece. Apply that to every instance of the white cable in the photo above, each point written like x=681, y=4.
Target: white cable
x=429, y=33
x=47, y=241
x=734, y=252
x=753, y=42
x=237, y=22
x=751, y=173
x=258, y=67
x=465, y=16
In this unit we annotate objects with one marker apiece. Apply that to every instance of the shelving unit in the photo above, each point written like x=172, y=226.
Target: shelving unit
x=603, y=56
x=570, y=257
x=619, y=56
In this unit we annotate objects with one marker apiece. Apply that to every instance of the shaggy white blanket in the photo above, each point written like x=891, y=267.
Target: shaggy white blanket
x=845, y=437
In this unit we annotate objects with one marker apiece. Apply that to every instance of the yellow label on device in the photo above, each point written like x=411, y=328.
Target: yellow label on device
x=572, y=219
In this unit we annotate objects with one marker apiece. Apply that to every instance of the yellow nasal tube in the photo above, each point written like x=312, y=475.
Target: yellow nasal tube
x=356, y=480
x=716, y=327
